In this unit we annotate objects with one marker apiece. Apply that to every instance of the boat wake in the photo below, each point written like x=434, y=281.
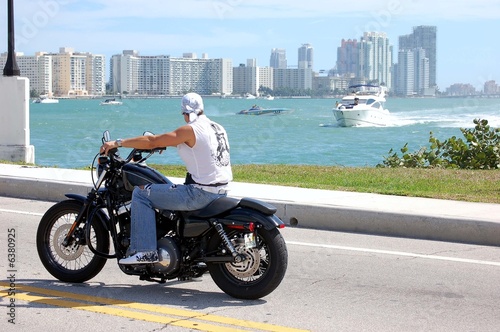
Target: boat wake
x=464, y=120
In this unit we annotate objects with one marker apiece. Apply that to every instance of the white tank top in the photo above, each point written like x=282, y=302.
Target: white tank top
x=208, y=160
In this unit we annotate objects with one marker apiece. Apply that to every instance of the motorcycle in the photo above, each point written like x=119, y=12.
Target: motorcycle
x=237, y=241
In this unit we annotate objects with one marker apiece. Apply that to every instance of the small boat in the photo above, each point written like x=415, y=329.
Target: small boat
x=257, y=110
x=45, y=100
x=111, y=101
x=363, y=106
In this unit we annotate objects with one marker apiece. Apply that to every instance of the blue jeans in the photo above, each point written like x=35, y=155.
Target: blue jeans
x=162, y=197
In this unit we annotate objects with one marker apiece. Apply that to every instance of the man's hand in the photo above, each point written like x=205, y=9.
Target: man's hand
x=108, y=146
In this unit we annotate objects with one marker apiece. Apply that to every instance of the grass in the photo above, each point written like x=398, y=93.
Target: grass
x=464, y=185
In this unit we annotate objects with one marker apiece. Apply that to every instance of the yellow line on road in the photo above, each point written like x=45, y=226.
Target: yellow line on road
x=185, y=318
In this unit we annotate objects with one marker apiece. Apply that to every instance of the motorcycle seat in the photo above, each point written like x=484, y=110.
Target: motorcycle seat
x=224, y=203
x=218, y=206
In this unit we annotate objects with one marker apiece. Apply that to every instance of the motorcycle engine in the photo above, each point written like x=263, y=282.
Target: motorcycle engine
x=169, y=256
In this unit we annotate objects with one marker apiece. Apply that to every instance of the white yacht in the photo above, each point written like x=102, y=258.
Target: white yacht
x=363, y=106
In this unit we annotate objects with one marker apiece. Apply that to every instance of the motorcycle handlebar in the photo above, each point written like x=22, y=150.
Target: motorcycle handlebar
x=106, y=137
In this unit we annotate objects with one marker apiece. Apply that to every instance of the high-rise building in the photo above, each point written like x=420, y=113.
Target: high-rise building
x=491, y=88
x=423, y=37
x=405, y=73
x=375, y=58
x=37, y=68
x=278, y=58
x=305, y=57
x=347, y=57
x=165, y=75
x=422, y=72
x=293, y=78
x=64, y=74
x=77, y=74
x=124, y=70
x=248, y=79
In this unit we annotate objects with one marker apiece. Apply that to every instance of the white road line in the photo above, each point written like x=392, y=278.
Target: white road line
x=395, y=253
x=22, y=212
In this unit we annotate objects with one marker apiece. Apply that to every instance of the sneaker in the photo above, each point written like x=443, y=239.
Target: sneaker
x=145, y=257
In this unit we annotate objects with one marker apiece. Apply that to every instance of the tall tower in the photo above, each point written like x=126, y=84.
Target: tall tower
x=424, y=36
x=278, y=58
x=375, y=58
x=422, y=43
x=306, y=57
x=347, y=57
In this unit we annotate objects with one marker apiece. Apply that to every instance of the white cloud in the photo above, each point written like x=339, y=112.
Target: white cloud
x=96, y=10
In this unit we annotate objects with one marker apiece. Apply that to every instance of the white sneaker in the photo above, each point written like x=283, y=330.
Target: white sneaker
x=145, y=257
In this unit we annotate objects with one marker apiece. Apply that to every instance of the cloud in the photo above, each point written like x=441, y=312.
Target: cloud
x=97, y=10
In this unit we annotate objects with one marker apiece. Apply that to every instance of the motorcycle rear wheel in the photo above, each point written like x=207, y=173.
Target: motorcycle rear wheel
x=262, y=271
x=76, y=262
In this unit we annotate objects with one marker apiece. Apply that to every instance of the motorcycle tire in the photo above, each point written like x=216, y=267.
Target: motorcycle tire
x=76, y=262
x=262, y=271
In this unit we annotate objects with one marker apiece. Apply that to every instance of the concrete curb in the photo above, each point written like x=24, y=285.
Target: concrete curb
x=475, y=223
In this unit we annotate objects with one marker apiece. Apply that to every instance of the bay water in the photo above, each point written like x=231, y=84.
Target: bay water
x=68, y=134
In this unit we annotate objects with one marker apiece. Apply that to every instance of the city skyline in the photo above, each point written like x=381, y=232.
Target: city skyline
x=238, y=30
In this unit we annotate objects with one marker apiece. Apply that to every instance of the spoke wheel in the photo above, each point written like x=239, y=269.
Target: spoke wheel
x=75, y=262
x=259, y=273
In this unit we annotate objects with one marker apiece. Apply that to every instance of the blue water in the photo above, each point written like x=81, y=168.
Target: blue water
x=68, y=134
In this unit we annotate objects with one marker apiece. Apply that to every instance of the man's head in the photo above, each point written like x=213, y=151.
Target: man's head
x=192, y=105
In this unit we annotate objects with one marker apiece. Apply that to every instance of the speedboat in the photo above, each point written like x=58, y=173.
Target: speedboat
x=112, y=101
x=45, y=100
x=257, y=110
x=363, y=106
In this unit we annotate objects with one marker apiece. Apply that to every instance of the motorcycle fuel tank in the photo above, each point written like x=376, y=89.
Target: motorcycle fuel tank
x=140, y=175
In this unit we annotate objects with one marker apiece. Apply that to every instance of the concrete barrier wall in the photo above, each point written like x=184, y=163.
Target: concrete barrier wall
x=330, y=218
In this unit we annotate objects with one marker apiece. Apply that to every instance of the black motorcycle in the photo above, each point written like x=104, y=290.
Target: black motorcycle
x=236, y=240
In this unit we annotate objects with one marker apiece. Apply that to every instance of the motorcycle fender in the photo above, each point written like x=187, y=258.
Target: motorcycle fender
x=244, y=216
x=100, y=214
x=76, y=197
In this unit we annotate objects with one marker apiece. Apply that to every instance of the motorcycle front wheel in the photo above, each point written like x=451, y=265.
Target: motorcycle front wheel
x=262, y=270
x=75, y=262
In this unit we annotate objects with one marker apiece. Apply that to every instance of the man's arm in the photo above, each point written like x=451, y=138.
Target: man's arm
x=184, y=134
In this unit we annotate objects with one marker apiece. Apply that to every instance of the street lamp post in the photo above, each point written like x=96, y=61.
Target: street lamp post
x=11, y=68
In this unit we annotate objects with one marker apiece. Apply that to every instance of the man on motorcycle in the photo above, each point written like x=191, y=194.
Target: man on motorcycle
x=203, y=146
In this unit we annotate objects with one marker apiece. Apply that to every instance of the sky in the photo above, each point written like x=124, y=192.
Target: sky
x=468, y=42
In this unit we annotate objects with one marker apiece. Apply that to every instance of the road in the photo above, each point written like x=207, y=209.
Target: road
x=335, y=282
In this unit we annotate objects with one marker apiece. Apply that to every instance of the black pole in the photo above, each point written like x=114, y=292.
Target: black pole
x=11, y=68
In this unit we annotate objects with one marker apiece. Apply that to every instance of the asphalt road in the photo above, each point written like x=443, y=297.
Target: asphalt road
x=335, y=282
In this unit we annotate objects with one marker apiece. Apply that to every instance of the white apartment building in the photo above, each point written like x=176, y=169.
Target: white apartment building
x=62, y=74
x=249, y=78
x=37, y=68
x=293, y=78
x=123, y=72
x=204, y=76
x=164, y=75
x=412, y=73
x=375, y=58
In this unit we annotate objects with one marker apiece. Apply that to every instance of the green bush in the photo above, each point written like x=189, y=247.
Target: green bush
x=479, y=150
